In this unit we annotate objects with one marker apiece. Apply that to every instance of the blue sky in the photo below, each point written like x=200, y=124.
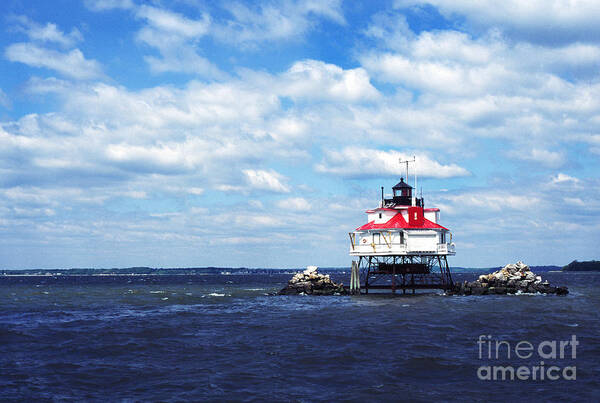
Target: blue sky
x=195, y=133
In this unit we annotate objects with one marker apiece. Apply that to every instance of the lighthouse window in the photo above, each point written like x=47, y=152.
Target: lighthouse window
x=442, y=237
x=401, y=237
x=377, y=238
x=379, y=215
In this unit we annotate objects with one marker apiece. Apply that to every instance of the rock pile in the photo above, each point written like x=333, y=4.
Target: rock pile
x=311, y=282
x=511, y=279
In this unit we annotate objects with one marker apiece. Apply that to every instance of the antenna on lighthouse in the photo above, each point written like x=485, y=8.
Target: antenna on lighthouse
x=414, y=160
x=416, y=187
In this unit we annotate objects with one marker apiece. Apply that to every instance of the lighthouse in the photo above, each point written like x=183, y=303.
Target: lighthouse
x=402, y=245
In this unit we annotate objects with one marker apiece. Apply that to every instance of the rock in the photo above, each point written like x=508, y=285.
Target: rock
x=310, y=270
x=511, y=279
x=310, y=282
x=498, y=290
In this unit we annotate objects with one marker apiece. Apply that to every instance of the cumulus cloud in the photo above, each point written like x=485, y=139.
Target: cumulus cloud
x=173, y=23
x=105, y=153
x=455, y=64
x=537, y=20
x=36, y=53
x=362, y=162
x=314, y=79
x=271, y=181
x=46, y=33
x=271, y=22
x=71, y=64
x=561, y=178
x=175, y=36
x=294, y=204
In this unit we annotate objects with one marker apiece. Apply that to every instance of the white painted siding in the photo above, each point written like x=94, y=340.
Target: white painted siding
x=430, y=215
x=422, y=241
x=385, y=216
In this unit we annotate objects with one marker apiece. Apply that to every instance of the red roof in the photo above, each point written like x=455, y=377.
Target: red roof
x=398, y=222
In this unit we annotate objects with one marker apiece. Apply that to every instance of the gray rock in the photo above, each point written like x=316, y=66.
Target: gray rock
x=511, y=279
x=312, y=283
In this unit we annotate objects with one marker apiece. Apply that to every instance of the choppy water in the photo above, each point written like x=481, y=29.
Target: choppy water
x=218, y=337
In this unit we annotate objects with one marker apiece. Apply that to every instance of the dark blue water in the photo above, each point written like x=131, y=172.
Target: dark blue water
x=219, y=337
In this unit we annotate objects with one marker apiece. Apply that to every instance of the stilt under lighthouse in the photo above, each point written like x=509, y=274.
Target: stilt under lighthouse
x=401, y=247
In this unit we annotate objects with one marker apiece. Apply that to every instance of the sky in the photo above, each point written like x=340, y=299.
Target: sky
x=255, y=134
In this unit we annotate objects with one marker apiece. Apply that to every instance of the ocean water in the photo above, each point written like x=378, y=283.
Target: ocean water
x=219, y=337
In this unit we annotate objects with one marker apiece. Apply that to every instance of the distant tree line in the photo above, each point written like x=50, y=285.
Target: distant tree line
x=590, y=265
x=146, y=271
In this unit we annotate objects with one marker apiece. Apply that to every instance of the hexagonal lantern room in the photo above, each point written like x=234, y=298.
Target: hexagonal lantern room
x=402, y=246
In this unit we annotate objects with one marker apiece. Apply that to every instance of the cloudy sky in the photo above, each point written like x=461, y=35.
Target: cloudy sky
x=234, y=133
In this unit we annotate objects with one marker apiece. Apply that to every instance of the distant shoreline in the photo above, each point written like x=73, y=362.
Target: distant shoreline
x=587, y=266
x=149, y=271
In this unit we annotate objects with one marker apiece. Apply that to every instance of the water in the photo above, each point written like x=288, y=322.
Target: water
x=219, y=337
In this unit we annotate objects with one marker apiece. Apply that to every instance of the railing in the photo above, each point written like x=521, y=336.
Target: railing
x=445, y=248
x=377, y=248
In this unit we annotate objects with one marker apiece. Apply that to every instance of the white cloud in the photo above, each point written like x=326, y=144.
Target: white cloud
x=314, y=79
x=175, y=37
x=294, y=204
x=271, y=22
x=271, y=180
x=162, y=158
x=535, y=20
x=103, y=5
x=484, y=201
x=195, y=191
x=363, y=162
x=71, y=64
x=552, y=159
x=562, y=178
x=169, y=22
x=47, y=33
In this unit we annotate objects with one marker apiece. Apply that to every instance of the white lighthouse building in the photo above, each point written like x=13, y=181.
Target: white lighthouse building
x=403, y=239
x=401, y=226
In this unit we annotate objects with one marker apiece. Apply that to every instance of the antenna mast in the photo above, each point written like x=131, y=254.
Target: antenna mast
x=416, y=187
x=414, y=160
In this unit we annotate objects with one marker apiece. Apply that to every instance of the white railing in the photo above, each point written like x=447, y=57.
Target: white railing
x=445, y=248
x=400, y=249
x=368, y=248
